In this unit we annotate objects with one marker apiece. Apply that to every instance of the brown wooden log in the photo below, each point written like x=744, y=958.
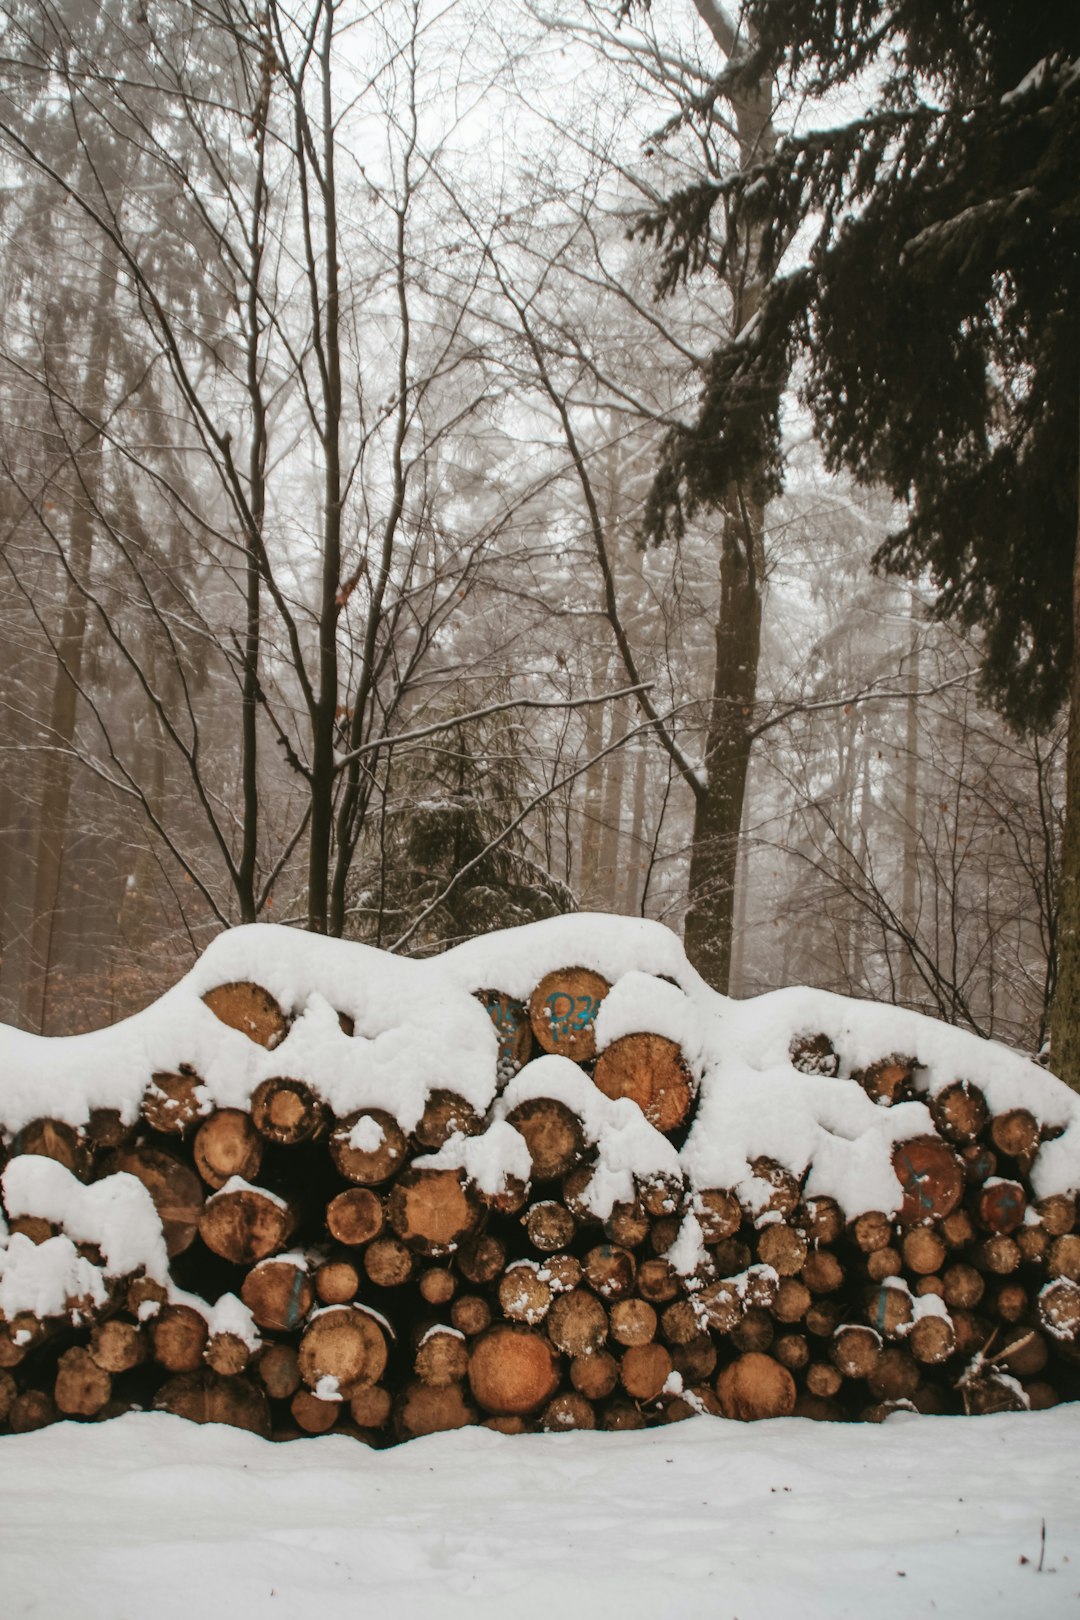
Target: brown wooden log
x=564, y=1271
x=633, y=1321
x=577, y=1323
x=420, y=1409
x=470, y=1314
x=1042, y=1396
x=814, y=1054
x=33, y=1409
x=116, y=1346
x=562, y=1010
x=345, y=1346
x=9, y=1390
x=1024, y=1352
x=1016, y=1134
x=793, y=1300
x=313, y=1415
x=719, y=1213
x=370, y=1406
x=53, y=1139
x=855, y=1350
x=721, y=1305
x=664, y=1233
x=594, y=1376
x=1064, y=1257
x=81, y=1388
x=755, y=1386
x=368, y=1147
x=621, y=1414
x=999, y=1254
x=888, y=1081
x=784, y=1189
x=287, y=1112
x=278, y=1370
x=932, y=1340
x=388, y=1262
x=553, y=1135
x=959, y=1111
x=337, y=1282
x=1058, y=1306
x=1034, y=1244
x=823, y=1380
x=783, y=1247
x=611, y=1271
x=884, y=1263
x=979, y=1162
x=792, y=1351
x=822, y=1220
x=755, y=1329
x=988, y=1393
x=644, y=1369
x=930, y=1285
x=173, y=1103
x=142, y=1293
x=525, y=1293
x=206, y=1397
x=656, y=1281
x=872, y=1230
x=442, y=1357
x=822, y=1272
x=178, y=1336
x=509, y=1425
x=1011, y=1302
x=355, y=1217
x=575, y=1189
x=888, y=1309
x=433, y=1211
x=512, y=1370
x=818, y=1409
x=628, y=1225
x=923, y=1250
x=175, y=1190
x=34, y=1227
x=250, y=1009
x=244, y=1224
x=512, y=1031
x=549, y=1225
x=894, y=1376
x=650, y=1070
x=481, y=1259
x=931, y=1176
x=279, y=1293
x=226, y=1145
x=695, y=1361
x=1057, y=1213
x=227, y=1353
x=445, y=1114
x=437, y=1285
x=680, y=1322
x=1001, y=1206
x=972, y=1331
x=106, y=1128
x=568, y=1410
x=660, y=1194
x=958, y=1229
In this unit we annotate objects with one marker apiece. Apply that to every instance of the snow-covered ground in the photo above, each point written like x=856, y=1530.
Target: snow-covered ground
x=151, y=1518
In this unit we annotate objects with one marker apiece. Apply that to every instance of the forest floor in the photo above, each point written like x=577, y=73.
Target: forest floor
x=151, y=1518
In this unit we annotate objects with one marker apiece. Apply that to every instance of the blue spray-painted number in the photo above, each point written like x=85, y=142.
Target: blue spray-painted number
x=570, y=1015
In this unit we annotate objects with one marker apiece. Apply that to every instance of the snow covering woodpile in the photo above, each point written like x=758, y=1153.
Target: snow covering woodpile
x=547, y=1180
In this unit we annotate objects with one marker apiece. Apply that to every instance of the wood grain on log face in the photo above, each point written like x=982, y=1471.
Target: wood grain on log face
x=53, y=1139
x=8, y=1392
x=512, y=1030
x=368, y=1147
x=470, y=1314
x=445, y=1114
x=783, y=1247
x=562, y=1010
x=550, y=1226
x=33, y=1409
x=82, y=1388
x=855, y=1350
x=250, y=1009
x=278, y=1369
x=437, y=1285
x=814, y=1054
x=644, y=1369
x=355, y=1216
x=959, y=1111
x=923, y=1250
x=388, y=1262
x=370, y=1406
x=279, y=1294
x=650, y=1071
x=524, y=1294
x=1057, y=1213
x=512, y=1370
x=793, y=1300
x=175, y=1190
x=553, y=1135
x=312, y=1415
x=343, y=1343
x=611, y=1271
x=755, y=1386
x=287, y=1112
x=337, y=1282
x=932, y=1179
x=888, y=1081
x=227, y=1353
x=783, y=1189
x=245, y=1224
x=178, y=1336
x=567, y=1411
x=594, y=1376
x=1002, y=1206
x=822, y=1219
x=719, y=1214
x=1059, y=1309
x=172, y=1103
x=117, y=1346
x=421, y=1409
x=226, y=1145
x=633, y=1321
x=1016, y=1133
x=442, y=1358
x=206, y=1397
x=433, y=1211
x=577, y=1323
x=932, y=1340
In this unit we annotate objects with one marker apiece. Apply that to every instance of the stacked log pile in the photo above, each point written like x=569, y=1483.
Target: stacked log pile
x=324, y=1274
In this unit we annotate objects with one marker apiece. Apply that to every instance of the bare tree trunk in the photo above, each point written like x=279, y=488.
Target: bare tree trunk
x=637, y=855
x=592, y=809
x=909, y=896
x=1065, y=1014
